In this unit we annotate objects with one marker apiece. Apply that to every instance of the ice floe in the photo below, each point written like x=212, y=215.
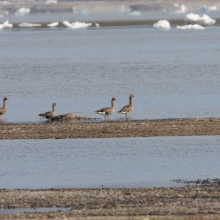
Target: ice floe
x=23, y=11
x=123, y=10
x=204, y=20
x=54, y=24
x=183, y=9
x=76, y=25
x=191, y=27
x=97, y=25
x=134, y=13
x=85, y=12
x=213, y=8
x=28, y=25
x=6, y=24
x=162, y=24
x=49, y=2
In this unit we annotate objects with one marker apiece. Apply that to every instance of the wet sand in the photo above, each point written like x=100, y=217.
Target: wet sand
x=192, y=202
x=155, y=203
x=112, y=129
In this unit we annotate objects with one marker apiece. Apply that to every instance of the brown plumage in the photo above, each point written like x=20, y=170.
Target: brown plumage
x=3, y=109
x=108, y=110
x=50, y=114
x=128, y=108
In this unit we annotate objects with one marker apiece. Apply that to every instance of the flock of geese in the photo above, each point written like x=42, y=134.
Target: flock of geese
x=127, y=109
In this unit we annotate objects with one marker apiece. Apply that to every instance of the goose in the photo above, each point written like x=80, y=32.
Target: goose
x=50, y=114
x=3, y=109
x=128, y=108
x=108, y=110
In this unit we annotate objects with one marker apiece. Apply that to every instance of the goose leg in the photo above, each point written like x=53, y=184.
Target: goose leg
x=126, y=115
x=129, y=115
x=1, y=119
x=108, y=117
x=105, y=117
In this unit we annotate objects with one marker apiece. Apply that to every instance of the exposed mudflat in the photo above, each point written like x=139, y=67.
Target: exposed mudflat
x=155, y=203
x=112, y=129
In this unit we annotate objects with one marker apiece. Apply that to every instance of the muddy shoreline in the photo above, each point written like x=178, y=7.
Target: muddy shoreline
x=112, y=129
x=191, y=202
x=154, y=203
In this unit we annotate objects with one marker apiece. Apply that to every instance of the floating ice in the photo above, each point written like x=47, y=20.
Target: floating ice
x=48, y=2
x=23, y=11
x=54, y=24
x=191, y=27
x=134, y=13
x=85, y=11
x=97, y=25
x=205, y=20
x=28, y=25
x=203, y=9
x=183, y=9
x=162, y=24
x=6, y=24
x=123, y=10
x=76, y=25
x=213, y=8
x=67, y=24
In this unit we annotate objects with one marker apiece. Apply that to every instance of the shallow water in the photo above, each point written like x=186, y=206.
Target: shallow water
x=116, y=162
x=174, y=74
x=30, y=210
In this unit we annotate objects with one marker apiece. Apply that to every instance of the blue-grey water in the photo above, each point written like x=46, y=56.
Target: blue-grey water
x=174, y=74
x=116, y=162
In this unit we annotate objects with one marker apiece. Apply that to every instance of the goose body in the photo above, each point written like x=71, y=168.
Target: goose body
x=50, y=114
x=108, y=110
x=127, y=109
x=3, y=109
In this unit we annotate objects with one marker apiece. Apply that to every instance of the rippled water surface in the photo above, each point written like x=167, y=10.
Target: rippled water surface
x=172, y=73
x=116, y=162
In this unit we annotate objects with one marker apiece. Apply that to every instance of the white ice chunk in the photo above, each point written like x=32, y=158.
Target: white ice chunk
x=134, y=13
x=213, y=8
x=80, y=25
x=67, y=24
x=97, y=25
x=6, y=24
x=28, y=25
x=183, y=9
x=23, y=11
x=48, y=2
x=191, y=27
x=76, y=25
x=162, y=24
x=205, y=20
x=54, y=24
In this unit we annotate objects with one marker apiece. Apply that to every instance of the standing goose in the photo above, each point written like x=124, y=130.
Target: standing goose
x=108, y=110
x=51, y=114
x=128, y=108
x=3, y=109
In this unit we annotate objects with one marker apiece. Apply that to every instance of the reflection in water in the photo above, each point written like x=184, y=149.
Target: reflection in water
x=115, y=162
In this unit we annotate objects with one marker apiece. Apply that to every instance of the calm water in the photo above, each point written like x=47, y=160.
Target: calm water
x=172, y=73
x=116, y=162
